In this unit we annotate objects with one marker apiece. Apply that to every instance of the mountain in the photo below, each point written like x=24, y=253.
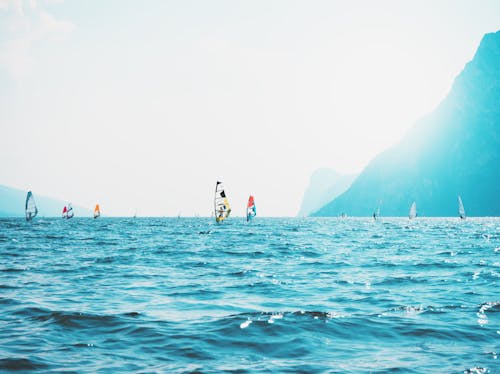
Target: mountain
x=453, y=151
x=12, y=203
x=324, y=185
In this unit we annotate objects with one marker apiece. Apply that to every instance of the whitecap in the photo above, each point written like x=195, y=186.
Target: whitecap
x=274, y=317
x=476, y=370
x=245, y=324
x=482, y=318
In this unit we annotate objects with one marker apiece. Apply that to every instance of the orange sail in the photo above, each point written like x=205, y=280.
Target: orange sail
x=97, y=211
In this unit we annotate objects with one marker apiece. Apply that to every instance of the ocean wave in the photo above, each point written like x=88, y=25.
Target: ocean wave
x=22, y=364
x=279, y=295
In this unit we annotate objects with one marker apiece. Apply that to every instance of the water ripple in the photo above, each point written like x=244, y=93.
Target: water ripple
x=276, y=295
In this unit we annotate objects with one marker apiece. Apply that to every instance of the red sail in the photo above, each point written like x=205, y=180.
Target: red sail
x=250, y=201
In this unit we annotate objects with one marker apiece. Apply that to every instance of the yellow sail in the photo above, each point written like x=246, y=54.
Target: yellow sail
x=221, y=203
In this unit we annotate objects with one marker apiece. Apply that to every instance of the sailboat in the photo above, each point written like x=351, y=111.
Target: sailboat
x=251, y=210
x=461, y=210
x=97, y=211
x=65, y=212
x=221, y=204
x=30, y=208
x=413, y=211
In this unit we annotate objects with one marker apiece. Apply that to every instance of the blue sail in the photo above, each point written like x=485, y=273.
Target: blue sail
x=251, y=209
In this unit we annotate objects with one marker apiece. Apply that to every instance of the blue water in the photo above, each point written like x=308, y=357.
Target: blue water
x=275, y=295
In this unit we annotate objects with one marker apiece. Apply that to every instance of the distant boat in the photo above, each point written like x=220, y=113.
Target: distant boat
x=461, y=210
x=413, y=211
x=67, y=211
x=135, y=214
x=97, y=211
x=221, y=204
x=251, y=209
x=30, y=208
x=376, y=214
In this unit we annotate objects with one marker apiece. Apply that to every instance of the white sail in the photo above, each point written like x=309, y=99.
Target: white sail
x=30, y=208
x=69, y=213
x=461, y=209
x=413, y=211
x=221, y=204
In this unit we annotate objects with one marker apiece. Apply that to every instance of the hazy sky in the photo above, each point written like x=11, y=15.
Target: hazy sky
x=145, y=104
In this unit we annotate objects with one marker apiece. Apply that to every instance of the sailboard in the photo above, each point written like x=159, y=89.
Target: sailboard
x=461, y=209
x=251, y=209
x=67, y=211
x=97, y=211
x=413, y=210
x=376, y=214
x=221, y=204
x=30, y=208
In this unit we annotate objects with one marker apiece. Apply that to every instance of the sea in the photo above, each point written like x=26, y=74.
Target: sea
x=274, y=295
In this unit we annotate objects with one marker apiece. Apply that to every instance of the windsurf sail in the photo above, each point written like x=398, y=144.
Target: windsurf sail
x=413, y=211
x=461, y=210
x=221, y=204
x=69, y=213
x=97, y=211
x=376, y=214
x=251, y=209
x=65, y=212
x=30, y=208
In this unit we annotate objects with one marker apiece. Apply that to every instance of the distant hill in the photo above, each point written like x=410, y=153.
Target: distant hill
x=453, y=151
x=12, y=203
x=324, y=185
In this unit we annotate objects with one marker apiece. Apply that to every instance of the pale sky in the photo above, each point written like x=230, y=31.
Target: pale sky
x=145, y=104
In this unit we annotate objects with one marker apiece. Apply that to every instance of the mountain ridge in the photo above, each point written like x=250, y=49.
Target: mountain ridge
x=452, y=151
x=324, y=185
